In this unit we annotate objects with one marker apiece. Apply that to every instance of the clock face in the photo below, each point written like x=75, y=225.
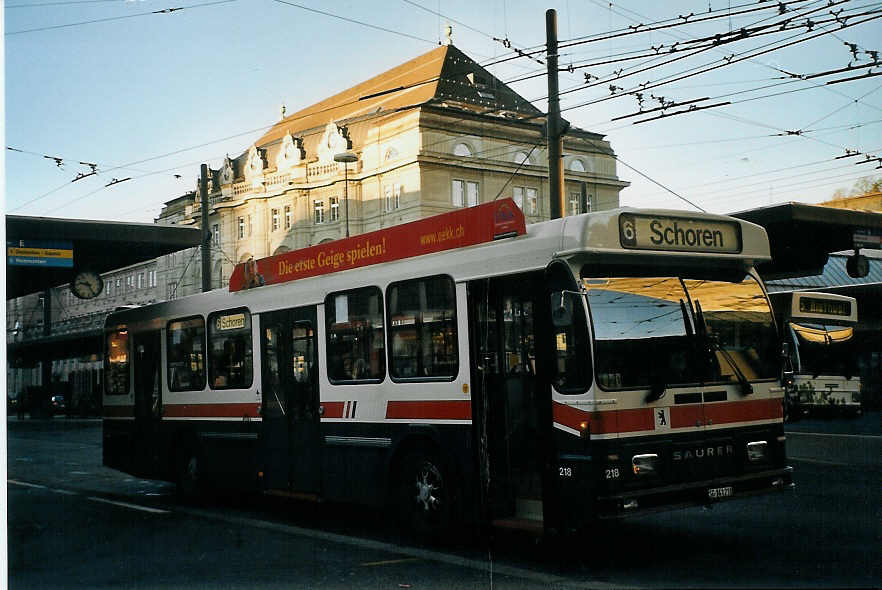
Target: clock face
x=87, y=284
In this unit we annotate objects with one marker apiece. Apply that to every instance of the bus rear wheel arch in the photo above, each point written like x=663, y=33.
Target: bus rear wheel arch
x=189, y=475
x=423, y=494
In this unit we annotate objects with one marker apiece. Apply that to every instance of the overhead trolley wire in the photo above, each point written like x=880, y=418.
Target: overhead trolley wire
x=709, y=67
x=357, y=22
x=115, y=18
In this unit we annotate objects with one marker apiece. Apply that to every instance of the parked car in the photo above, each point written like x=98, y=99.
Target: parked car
x=13, y=402
x=57, y=404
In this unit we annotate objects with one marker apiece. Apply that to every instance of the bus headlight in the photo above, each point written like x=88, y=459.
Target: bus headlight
x=645, y=465
x=757, y=450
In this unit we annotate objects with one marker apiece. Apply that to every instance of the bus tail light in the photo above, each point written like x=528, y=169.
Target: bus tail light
x=644, y=465
x=757, y=450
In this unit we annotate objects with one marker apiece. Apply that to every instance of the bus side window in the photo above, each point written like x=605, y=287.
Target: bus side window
x=116, y=362
x=186, y=354
x=355, y=336
x=422, y=328
x=229, y=346
x=572, y=363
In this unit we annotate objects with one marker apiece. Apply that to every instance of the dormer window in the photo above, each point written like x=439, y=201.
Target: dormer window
x=462, y=149
x=577, y=166
x=482, y=84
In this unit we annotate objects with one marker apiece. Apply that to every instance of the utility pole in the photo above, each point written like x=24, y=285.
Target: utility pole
x=553, y=122
x=206, y=232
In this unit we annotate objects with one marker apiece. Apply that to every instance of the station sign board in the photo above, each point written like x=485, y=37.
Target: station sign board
x=867, y=238
x=46, y=253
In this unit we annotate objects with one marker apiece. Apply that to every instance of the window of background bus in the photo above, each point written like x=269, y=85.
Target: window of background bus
x=355, y=336
x=116, y=363
x=186, y=354
x=422, y=329
x=229, y=349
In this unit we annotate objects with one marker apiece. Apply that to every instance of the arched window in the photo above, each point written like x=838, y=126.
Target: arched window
x=577, y=165
x=281, y=250
x=462, y=149
x=217, y=274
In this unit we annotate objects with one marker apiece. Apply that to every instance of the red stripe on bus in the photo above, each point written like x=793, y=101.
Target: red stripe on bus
x=634, y=420
x=744, y=411
x=332, y=409
x=687, y=416
x=691, y=416
x=567, y=415
x=429, y=410
x=119, y=411
x=603, y=422
x=230, y=410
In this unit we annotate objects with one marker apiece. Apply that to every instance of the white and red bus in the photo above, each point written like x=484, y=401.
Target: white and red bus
x=826, y=378
x=467, y=367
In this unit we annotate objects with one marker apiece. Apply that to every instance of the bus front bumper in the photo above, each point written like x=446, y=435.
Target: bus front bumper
x=694, y=493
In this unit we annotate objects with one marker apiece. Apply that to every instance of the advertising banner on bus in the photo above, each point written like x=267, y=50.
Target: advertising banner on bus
x=456, y=229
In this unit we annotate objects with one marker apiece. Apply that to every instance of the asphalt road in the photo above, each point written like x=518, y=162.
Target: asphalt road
x=74, y=524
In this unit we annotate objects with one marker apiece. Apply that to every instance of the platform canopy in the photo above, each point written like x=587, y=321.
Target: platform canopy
x=802, y=236
x=77, y=244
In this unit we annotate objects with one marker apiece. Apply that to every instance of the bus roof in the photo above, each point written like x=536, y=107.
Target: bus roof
x=596, y=237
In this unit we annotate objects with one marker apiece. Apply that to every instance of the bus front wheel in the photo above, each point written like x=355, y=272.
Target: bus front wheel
x=423, y=495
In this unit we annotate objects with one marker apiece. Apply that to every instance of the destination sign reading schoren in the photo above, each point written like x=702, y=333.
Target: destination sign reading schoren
x=681, y=234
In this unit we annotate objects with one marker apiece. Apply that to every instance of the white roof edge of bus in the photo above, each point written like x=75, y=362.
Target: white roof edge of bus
x=558, y=238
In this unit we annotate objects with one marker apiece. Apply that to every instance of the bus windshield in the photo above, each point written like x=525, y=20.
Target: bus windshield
x=824, y=349
x=647, y=332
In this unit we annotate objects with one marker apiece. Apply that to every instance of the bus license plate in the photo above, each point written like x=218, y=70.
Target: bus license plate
x=716, y=493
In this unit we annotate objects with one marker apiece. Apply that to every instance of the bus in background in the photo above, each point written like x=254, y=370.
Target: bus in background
x=468, y=368
x=819, y=328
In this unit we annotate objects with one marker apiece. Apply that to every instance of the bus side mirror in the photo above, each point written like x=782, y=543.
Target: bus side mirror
x=857, y=266
x=561, y=309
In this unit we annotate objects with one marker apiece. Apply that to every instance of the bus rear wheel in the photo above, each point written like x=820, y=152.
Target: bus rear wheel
x=189, y=475
x=424, y=496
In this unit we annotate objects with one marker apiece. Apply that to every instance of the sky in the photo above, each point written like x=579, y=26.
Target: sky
x=148, y=96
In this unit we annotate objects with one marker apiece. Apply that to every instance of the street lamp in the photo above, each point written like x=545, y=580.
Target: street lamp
x=346, y=158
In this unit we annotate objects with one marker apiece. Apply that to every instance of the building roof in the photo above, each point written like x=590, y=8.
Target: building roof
x=834, y=275
x=443, y=74
x=801, y=236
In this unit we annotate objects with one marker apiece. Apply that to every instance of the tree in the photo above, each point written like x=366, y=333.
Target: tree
x=864, y=186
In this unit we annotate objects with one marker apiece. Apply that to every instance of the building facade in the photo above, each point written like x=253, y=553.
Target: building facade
x=433, y=134
x=436, y=133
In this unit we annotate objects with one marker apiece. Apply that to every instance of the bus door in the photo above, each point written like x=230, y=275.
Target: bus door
x=506, y=361
x=148, y=399
x=291, y=436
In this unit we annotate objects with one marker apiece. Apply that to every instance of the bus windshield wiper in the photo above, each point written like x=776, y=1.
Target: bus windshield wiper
x=746, y=387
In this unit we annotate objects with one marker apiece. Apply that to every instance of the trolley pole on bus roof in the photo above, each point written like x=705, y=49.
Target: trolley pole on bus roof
x=206, y=233
x=553, y=122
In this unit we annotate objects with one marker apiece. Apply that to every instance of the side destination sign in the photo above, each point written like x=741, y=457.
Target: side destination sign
x=456, y=229
x=230, y=322
x=681, y=234
x=824, y=306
